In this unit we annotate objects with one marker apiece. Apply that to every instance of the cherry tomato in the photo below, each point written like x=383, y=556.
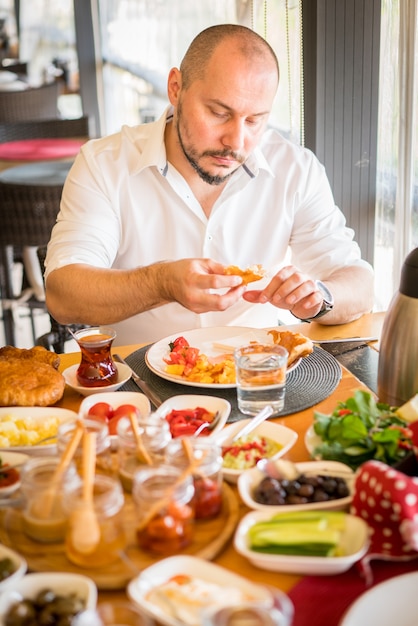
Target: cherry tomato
x=124, y=410
x=102, y=410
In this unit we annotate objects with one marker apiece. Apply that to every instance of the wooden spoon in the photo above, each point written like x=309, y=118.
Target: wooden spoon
x=44, y=505
x=142, y=453
x=85, y=529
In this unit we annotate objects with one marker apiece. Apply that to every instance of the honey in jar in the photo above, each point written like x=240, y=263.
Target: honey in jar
x=97, y=367
x=44, y=517
x=108, y=503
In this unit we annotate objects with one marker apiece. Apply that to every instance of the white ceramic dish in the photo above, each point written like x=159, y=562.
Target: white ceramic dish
x=70, y=375
x=204, y=339
x=20, y=567
x=283, y=435
x=38, y=415
x=211, y=403
x=248, y=481
x=11, y=459
x=312, y=440
x=394, y=601
x=193, y=566
x=116, y=399
x=354, y=543
x=60, y=582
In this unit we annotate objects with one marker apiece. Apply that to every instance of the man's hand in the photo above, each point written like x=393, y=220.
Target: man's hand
x=290, y=289
x=199, y=285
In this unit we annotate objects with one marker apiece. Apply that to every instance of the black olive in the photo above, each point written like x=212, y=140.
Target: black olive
x=21, y=614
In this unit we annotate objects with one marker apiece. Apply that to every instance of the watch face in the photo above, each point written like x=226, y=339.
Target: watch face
x=328, y=298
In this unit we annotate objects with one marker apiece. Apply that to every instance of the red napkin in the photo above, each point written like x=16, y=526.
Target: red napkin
x=323, y=600
x=40, y=149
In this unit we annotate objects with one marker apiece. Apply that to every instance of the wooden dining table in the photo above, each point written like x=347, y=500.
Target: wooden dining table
x=369, y=325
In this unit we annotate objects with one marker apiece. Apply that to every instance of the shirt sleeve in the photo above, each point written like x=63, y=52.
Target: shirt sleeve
x=321, y=241
x=85, y=236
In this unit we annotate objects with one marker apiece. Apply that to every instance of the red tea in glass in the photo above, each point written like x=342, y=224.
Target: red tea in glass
x=97, y=367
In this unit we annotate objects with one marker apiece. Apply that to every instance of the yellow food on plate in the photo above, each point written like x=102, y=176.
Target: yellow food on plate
x=221, y=373
x=27, y=431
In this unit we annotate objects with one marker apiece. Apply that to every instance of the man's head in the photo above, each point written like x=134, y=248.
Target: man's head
x=222, y=95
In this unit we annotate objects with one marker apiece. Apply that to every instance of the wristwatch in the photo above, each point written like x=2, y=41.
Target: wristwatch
x=327, y=303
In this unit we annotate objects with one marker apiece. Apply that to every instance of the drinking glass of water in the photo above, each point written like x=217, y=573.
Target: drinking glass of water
x=261, y=377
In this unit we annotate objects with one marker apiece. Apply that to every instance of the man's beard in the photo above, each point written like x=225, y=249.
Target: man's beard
x=192, y=156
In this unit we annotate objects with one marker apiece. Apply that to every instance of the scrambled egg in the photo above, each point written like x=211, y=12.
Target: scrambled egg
x=26, y=431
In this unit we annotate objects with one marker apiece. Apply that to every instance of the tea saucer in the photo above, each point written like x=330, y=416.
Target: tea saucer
x=70, y=375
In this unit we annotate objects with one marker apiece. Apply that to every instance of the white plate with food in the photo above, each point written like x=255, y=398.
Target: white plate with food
x=22, y=427
x=10, y=466
x=394, y=601
x=217, y=343
x=261, y=494
x=267, y=440
x=351, y=545
x=70, y=375
x=175, y=590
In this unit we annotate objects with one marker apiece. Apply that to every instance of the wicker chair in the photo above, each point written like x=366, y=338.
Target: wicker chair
x=35, y=103
x=44, y=129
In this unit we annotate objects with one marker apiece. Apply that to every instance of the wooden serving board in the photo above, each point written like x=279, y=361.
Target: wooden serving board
x=209, y=539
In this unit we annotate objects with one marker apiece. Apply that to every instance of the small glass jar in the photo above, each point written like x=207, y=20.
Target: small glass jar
x=104, y=461
x=165, y=516
x=108, y=502
x=207, y=477
x=44, y=517
x=155, y=435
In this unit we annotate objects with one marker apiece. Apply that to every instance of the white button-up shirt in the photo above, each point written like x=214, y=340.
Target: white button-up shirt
x=124, y=205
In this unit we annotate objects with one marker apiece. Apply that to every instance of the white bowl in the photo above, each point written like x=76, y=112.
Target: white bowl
x=11, y=459
x=38, y=415
x=249, y=480
x=116, y=399
x=62, y=583
x=195, y=567
x=278, y=433
x=354, y=543
x=211, y=403
x=20, y=567
x=70, y=375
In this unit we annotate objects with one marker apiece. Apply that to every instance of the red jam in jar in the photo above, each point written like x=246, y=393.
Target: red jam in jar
x=97, y=367
x=165, y=516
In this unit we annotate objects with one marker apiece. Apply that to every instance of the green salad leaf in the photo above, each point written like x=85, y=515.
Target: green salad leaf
x=361, y=429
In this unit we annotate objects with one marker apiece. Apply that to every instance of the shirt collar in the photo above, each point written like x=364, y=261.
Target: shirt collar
x=154, y=153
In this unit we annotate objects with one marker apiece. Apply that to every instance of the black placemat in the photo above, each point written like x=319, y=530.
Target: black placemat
x=311, y=382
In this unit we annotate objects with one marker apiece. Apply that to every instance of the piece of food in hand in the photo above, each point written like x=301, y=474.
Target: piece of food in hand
x=296, y=344
x=249, y=275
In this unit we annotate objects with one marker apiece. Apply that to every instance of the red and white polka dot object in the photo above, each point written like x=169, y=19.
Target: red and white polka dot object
x=388, y=501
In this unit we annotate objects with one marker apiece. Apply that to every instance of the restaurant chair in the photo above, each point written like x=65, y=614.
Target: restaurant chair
x=27, y=214
x=56, y=338
x=14, y=65
x=35, y=103
x=45, y=129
